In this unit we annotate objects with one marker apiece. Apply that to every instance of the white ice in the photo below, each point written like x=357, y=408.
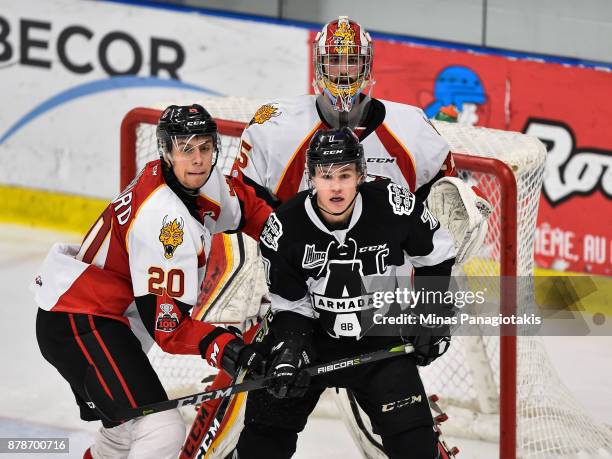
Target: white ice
x=36, y=402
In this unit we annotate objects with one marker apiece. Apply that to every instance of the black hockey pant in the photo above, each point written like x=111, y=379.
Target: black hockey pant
x=390, y=392
x=74, y=342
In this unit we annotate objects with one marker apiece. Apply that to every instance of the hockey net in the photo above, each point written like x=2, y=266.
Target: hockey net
x=495, y=388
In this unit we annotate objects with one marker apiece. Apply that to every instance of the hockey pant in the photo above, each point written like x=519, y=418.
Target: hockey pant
x=390, y=392
x=74, y=342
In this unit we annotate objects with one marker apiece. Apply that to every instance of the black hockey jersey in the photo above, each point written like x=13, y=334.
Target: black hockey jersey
x=333, y=275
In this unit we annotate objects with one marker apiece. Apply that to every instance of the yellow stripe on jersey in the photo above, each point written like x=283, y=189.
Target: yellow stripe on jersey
x=403, y=147
x=319, y=125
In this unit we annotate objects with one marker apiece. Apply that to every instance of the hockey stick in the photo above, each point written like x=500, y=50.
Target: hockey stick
x=206, y=426
x=115, y=413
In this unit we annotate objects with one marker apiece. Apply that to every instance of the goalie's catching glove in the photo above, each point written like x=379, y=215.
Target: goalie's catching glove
x=463, y=211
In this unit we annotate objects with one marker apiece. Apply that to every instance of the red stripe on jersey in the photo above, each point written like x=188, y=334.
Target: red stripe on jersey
x=202, y=258
x=290, y=180
x=87, y=356
x=94, y=247
x=100, y=292
x=207, y=206
x=112, y=362
x=402, y=156
x=448, y=167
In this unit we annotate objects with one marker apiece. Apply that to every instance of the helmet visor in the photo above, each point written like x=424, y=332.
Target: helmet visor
x=335, y=175
x=188, y=147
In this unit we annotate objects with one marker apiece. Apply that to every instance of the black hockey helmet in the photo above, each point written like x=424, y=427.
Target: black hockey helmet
x=335, y=146
x=185, y=121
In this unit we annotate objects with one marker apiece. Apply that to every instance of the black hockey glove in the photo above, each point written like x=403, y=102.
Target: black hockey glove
x=287, y=370
x=432, y=341
x=235, y=354
x=290, y=354
x=428, y=348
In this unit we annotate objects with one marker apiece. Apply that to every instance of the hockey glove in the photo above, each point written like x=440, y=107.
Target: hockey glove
x=428, y=348
x=287, y=370
x=223, y=349
x=291, y=352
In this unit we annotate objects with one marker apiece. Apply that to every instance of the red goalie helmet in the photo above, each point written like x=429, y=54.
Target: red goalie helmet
x=342, y=59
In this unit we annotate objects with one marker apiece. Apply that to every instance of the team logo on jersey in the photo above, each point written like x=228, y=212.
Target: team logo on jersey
x=264, y=113
x=167, y=321
x=313, y=259
x=171, y=235
x=272, y=232
x=344, y=38
x=401, y=199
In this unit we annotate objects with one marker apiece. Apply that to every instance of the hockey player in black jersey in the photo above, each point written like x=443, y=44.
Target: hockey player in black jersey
x=326, y=252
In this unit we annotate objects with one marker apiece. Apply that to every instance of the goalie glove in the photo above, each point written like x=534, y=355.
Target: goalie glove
x=461, y=210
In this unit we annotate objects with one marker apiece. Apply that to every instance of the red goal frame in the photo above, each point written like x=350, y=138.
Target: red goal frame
x=508, y=251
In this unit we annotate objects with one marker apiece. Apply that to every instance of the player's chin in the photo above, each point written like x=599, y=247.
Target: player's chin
x=196, y=179
x=336, y=204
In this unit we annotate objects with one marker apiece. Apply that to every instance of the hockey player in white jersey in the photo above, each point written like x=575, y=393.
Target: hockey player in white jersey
x=135, y=278
x=398, y=140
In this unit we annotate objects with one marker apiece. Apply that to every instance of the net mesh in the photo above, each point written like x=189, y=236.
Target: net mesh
x=467, y=378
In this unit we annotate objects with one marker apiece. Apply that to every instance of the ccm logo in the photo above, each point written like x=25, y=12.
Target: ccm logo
x=401, y=403
x=195, y=123
x=372, y=248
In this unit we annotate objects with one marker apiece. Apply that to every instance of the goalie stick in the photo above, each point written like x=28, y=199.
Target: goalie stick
x=116, y=413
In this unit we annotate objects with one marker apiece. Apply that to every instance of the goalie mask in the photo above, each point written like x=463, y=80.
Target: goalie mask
x=179, y=125
x=342, y=59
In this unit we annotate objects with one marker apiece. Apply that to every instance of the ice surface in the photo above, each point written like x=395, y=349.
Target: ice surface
x=37, y=402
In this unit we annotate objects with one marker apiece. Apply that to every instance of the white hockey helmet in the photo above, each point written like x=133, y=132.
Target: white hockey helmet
x=342, y=59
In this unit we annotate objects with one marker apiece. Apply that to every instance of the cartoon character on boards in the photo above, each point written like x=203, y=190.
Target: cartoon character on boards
x=458, y=93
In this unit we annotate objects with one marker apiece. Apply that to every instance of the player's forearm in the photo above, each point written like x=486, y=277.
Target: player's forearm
x=173, y=329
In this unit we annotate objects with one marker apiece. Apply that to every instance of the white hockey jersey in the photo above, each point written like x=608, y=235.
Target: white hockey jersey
x=147, y=242
x=398, y=140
